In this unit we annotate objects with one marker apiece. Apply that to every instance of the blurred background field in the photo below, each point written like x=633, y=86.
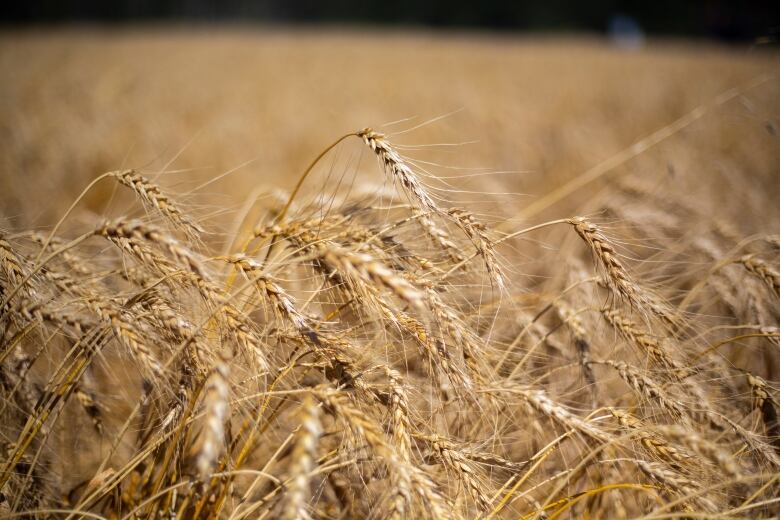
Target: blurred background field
x=199, y=102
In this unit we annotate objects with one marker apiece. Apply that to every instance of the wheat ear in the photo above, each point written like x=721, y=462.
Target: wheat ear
x=216, y=402
x=151, y=194
x=762, y=270
x=304, y=458
x=395, y=166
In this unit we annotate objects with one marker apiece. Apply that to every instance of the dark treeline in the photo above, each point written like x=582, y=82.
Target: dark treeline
x=720, y=19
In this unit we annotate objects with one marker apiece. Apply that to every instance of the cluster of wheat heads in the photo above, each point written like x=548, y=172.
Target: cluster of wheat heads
x=374, y=357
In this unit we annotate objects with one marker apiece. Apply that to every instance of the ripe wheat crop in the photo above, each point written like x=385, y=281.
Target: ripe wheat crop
x=375, y=346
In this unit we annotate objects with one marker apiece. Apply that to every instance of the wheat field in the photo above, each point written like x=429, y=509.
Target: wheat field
x=265, y=273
